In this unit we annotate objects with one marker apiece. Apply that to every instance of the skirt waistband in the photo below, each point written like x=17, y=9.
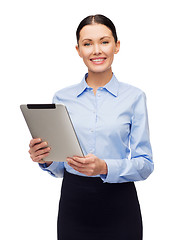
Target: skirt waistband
x=81, y=179
x=90, y=181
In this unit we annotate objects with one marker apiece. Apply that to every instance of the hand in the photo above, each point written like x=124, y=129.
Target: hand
x=89, y=165
x=39, y=150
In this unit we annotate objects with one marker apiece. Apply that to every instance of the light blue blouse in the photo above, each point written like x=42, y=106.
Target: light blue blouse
x=113, y=125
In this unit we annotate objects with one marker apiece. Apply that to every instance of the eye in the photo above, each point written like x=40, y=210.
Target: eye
x=87, y=44
x=105, y=42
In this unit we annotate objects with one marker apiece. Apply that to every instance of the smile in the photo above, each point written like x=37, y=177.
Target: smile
x=98, y=60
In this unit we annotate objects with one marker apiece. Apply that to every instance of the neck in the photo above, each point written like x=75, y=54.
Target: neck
x=96, y=80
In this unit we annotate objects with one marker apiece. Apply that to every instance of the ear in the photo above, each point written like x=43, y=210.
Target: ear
x=117, y=47
x=78, y=50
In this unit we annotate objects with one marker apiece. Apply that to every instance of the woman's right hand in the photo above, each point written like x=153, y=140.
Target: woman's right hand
x=39, y=150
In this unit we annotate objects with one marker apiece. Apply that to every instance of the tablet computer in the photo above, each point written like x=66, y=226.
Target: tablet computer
x=52, y=123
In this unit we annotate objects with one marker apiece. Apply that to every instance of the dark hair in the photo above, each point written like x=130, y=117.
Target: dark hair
x=100, y=19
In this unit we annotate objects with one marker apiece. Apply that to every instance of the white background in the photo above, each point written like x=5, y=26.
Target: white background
x=38, y=57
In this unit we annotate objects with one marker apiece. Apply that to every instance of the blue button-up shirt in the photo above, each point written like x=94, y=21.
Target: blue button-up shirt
x=113, y=125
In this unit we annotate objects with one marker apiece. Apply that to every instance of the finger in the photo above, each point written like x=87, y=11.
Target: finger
x=89, y=155
x=34, y=155
x=42, y=162
x=83, y=160
x=78, y=156
x=74, y=163
x=34, y=141
x=42, y=151
x=40, y=146
x=79, y=169
x=40, y=158
x=84, y=171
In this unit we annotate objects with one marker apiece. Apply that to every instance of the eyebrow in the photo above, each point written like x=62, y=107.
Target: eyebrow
x=91, y=39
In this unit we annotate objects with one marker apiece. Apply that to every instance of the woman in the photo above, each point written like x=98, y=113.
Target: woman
x=98, y=195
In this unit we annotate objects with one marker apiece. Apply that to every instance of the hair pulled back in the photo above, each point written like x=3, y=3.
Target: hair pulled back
x=99, y=19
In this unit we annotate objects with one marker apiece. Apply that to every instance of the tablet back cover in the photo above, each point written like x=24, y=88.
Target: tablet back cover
x=52, y=123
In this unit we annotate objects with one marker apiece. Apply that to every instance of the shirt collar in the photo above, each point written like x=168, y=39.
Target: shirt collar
x=112, y=86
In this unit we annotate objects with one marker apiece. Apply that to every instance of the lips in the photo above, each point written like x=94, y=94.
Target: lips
x=98, y=60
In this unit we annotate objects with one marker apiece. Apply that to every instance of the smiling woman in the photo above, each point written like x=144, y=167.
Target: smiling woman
x=98, y=196
x=97, y=46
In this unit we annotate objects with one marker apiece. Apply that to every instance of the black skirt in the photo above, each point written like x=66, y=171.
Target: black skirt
x=92, y=210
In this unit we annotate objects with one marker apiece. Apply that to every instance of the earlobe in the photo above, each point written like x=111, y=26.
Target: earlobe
x=117, y=47
x=77, y=48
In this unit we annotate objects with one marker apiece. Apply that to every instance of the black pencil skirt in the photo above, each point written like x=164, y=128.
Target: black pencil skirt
x=92, y=210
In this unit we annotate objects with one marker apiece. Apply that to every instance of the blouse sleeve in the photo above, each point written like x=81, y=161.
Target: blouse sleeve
x=140, y=164
x=56, y=169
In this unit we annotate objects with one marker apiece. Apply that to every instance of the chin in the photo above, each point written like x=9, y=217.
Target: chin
x=98, y=70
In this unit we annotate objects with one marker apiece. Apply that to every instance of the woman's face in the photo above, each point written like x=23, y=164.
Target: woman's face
x=97, y=47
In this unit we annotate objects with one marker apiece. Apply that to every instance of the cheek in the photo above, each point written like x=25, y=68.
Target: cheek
x=109, y=50
x=85, y=53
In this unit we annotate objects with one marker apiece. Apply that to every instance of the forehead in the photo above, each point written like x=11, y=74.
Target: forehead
x=94, y=31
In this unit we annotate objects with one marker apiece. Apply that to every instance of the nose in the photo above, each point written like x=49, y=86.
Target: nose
x=96, y=49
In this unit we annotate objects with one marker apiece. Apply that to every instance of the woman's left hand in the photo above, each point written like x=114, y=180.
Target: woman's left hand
x=89, y=165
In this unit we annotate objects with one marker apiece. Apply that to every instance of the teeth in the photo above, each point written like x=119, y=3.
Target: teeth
x=97, y=60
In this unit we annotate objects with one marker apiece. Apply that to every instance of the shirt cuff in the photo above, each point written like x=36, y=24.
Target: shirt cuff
x=43, y=165
x=117, y=170
x=111, y=176
x=126, y=170
x=51, y=168
x=103, y=177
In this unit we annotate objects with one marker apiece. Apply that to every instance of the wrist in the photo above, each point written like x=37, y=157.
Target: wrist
x=48, y=163
x=104, y=169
